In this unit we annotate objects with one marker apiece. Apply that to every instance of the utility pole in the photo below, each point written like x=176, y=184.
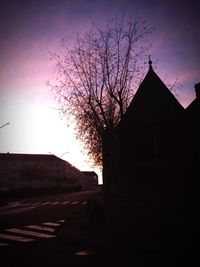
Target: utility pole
x=4, y=125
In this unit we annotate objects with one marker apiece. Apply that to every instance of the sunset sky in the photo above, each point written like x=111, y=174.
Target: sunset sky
x=28, y=29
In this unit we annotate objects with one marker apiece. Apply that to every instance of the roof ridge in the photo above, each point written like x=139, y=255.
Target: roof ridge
x=153, y=101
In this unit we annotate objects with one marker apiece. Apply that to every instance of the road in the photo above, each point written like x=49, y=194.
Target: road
x=30, y=231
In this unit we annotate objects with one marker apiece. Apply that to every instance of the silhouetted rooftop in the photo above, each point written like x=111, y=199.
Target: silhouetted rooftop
x=28, y=157
x=153, y=102
x=35, y=157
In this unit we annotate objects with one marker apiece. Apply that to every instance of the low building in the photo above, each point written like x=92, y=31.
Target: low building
x=90, y=181
x=36, y=171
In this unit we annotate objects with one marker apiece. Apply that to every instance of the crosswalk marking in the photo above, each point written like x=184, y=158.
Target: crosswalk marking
x=64, y=203
x=45, y=203
x=55, y=203
x=37, y=227
x=37, y=203
x=25, y=204
x=61, y=221
x=18, y=210
x=15, y=238
x=74, y=202
x=51, y=224
x=16, y=234
x=14, y=204
x=31, y=233
x=3, y=244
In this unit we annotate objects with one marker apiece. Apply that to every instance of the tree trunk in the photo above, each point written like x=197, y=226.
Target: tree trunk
x=110, y=174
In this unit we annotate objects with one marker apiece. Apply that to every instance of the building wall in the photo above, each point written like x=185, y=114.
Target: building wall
x=90, y=181
x=56, y=172
x=156, y=192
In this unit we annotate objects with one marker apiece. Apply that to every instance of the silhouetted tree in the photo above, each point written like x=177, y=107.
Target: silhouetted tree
x=97, y=76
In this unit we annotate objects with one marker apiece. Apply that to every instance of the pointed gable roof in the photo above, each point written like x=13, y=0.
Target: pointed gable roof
x=152, y=103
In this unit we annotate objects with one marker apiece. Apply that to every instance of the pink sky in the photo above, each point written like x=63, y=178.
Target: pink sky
x=30, y=28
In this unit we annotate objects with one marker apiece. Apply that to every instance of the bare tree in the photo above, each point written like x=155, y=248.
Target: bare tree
x=97, y=77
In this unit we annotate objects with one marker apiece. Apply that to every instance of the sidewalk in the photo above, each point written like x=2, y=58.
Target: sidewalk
x=85, y=225
x=89, y=238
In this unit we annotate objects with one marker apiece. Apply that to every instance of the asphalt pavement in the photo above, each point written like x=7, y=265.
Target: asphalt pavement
x=64, y=233
x=33, y=231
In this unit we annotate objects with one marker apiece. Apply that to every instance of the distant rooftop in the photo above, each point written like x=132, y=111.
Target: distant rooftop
x=28, y=157
x=35, y=157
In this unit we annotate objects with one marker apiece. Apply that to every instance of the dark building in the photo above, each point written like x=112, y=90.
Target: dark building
x=157, y=161
x=19, y=171
x=192, y=116
x=91, y=181
x=152, y=127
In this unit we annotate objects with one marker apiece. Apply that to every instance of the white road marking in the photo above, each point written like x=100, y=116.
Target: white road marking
x=55, y=203
x=25, y=204
x=30, y=233
x=14, y=204
x=15, y=238
x=84, y=202
x=51, y=224
x=64, y=203
x=37, y=227
x=18, y=210
x=3, y=245
x=37, y=203
x=61, y=221
x=11, y=205
x=45, y=203
x=74, y=202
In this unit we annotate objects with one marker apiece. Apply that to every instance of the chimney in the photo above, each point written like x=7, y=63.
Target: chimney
x=197, y=90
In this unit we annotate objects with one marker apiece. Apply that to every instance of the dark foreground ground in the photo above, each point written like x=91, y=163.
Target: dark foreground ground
x=83, y=241
x=64, y=253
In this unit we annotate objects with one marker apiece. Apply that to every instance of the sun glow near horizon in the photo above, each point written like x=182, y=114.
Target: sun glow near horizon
x=39, y=129
x=31, y=29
